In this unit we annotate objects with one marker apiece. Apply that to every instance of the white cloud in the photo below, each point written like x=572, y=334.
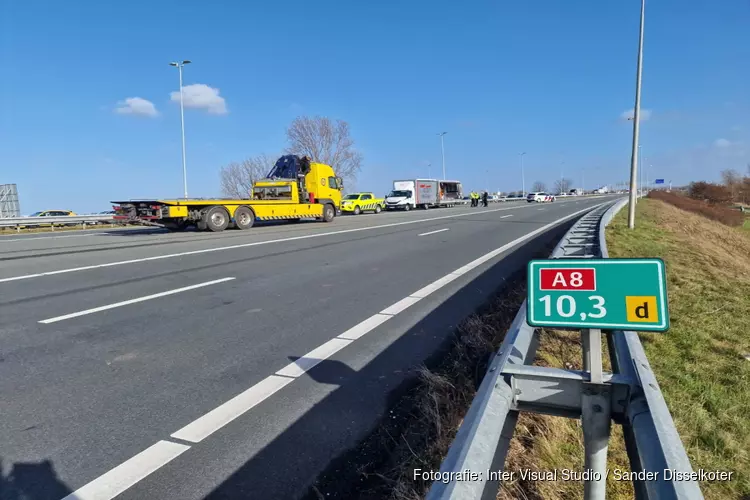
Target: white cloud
x=628, y=114
x=722, y=143
x=136, y=106
x=200, y=96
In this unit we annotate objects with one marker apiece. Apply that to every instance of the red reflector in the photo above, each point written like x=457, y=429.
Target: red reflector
x=312, y=197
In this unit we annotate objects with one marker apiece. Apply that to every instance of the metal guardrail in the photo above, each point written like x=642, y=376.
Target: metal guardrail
x=63, y=220
x=630, y=396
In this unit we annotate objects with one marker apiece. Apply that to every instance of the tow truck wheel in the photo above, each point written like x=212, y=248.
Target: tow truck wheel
x=407, y=207
x=377, y=209
x=357, y=211
x=216, y=218
x=328, y=213
x=244, y=218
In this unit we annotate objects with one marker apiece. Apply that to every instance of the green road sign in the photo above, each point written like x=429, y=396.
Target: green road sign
x=609, y=294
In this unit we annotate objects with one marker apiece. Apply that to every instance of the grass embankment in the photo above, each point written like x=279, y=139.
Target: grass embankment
x=699, y=363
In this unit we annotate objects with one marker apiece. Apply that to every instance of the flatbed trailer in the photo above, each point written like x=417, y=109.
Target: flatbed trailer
x=295, y=189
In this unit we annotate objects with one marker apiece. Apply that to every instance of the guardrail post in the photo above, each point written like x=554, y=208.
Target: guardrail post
x=595, y=417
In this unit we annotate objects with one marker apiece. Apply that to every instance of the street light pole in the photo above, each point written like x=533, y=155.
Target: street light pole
x=179, y=66
x=561, y=177
x=429, y=170
x=442, y=149
x=523, y=177
x=636, y=124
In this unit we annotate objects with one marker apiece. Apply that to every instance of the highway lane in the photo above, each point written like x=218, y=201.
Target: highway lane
x=92, y=391
x=22, y=256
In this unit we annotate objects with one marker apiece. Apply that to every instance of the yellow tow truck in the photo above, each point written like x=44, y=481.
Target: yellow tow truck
x=356, y=203
x=296, y=188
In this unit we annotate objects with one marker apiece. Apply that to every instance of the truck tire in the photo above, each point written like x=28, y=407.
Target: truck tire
x=328, y=213
x=244, y=218
x=216, y=218
x=407, y=207
x=425, y=207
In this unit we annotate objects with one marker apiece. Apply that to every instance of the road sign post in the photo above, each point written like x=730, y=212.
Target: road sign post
x=591, y=295
x=608, y=294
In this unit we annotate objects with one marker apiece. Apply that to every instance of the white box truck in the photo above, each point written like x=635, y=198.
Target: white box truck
x=423, y=193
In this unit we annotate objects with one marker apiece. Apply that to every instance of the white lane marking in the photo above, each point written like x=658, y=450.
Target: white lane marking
x=505, y=216
x=3, y=240
x=540, y=209
x=434, y=232
x=246, y=245
x=364, y=327
x=125, y=475
x=133, y=301
x=401, y=305
x=201, y=428
x=217, y=418
x=312, y=358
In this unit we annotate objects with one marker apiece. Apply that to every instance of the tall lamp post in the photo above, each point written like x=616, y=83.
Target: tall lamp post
x=442, y=149
x=179, y=66
x=523, y=176
x=636, y=125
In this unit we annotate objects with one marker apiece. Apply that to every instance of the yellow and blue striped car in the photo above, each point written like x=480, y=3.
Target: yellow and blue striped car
x=356, y=203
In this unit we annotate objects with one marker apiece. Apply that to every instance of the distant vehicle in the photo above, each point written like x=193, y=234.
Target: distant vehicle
x=602, y=190
x=540, y=197
x=356, y=203
x=52, y=213
x=424, y=193
x=576, y=192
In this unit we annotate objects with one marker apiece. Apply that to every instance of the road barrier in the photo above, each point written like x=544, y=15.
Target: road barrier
x=64, y=220
x=630, y=396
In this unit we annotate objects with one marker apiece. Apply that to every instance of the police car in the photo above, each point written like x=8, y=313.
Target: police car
x=540, y=197
x=356, y=203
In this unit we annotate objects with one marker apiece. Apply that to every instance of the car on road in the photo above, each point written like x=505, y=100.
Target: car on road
x=52, y=213
x=356, y=203
x=540, y=197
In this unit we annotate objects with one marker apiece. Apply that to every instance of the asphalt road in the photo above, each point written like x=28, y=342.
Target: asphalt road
x=144, y=364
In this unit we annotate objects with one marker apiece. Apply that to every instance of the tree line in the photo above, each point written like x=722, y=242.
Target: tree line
x=321, y=139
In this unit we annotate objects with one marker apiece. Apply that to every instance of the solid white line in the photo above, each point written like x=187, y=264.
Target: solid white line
x=505, y=216
x=434, y=232
x=540, y=209
x=201, y=428
x=364, y=327
x=217, y=418
x=246, y=245
x=312, y=358
x=401, y=305
x=125, y=475
x=3, y=240
x=133, y=301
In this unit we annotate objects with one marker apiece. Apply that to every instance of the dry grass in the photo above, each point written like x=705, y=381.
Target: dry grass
x=721, y=213
x=423, y=424
x=698, y=363
x=446, y=393
x=544, y=443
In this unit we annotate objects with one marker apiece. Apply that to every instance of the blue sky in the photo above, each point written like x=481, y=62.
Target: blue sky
x=548, y=77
